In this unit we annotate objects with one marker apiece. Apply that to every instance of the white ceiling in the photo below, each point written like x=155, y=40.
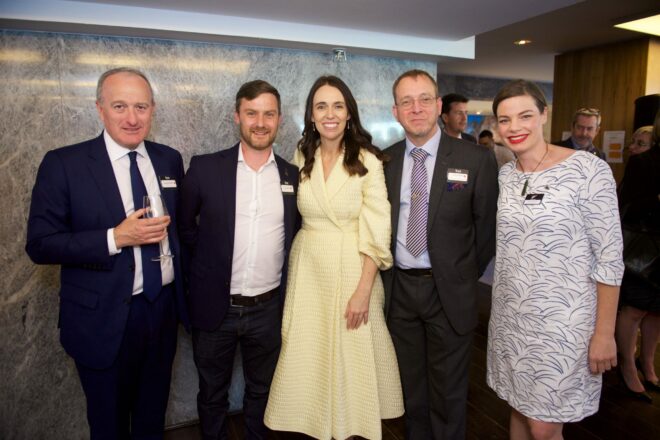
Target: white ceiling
x=440, y=19
x=443, y=30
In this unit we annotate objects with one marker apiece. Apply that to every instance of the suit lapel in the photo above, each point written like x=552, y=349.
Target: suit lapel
x=394, y=170
x=227, y=163
x=161, y=168
x=319, y=188
x=337, y=178
x=439, y=178
x=104, y=176
x=289, y=201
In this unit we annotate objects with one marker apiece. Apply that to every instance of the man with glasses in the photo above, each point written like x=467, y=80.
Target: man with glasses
x=443, y=193
x=586, y=124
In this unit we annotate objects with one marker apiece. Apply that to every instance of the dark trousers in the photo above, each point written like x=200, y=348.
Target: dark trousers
x=129, y=399
x=433, y=360
x=257, y=329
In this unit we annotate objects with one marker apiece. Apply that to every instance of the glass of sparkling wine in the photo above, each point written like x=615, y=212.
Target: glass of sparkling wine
x=155, y=207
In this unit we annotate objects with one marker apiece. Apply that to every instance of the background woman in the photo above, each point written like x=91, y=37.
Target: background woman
x=639, y=199
x=642, y=139
x=337, y=374
x=557, y=269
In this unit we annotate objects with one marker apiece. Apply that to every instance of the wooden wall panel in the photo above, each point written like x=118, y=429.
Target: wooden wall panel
x=609, y=78
x=653, y=77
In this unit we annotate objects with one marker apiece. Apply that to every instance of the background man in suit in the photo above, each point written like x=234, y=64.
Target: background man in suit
x=443, y=193
x=118, y=307
x=238, y=218
x=454, y=116
x=585, y=128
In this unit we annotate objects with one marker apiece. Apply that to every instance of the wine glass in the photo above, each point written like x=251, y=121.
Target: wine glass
x=155, y=207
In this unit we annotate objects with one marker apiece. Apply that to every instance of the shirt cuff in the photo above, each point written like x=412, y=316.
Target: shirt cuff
x=112, y=246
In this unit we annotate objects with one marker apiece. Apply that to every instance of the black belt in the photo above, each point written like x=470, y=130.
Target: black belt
x=427, y=273
x=249, y=301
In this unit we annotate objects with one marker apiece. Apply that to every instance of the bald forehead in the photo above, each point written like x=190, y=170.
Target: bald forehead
x=125, y=78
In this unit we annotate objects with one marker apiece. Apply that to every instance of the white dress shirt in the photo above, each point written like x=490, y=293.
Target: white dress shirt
x=121, y=164
x=404, y=259
x=259, y=230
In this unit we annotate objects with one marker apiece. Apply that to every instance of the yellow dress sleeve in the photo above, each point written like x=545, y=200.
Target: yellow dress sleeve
x=375, y=229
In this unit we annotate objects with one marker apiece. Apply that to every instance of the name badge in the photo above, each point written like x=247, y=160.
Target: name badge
x=167, y=182
x=533, y=199
x=287, y=189
x=457, y=175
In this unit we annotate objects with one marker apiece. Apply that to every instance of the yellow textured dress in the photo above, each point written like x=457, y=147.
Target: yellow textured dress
x=331, y=382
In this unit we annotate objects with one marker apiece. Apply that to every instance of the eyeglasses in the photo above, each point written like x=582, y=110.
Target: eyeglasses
x=586, y=111
x=425, y=101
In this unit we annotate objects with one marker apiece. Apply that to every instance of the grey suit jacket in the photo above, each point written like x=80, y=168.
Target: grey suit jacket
x=461, y=224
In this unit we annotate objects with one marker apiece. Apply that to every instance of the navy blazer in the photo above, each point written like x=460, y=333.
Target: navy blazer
x=75, y=201
x=206, y=226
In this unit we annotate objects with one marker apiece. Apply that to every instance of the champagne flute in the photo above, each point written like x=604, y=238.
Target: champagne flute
x=155, y=207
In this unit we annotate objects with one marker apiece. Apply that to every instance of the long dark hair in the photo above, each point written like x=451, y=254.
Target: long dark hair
x=355, y=136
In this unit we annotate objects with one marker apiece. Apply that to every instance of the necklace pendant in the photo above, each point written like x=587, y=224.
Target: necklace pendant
x=524, y=190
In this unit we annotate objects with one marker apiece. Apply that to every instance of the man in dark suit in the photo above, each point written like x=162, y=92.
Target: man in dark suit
x=238, y=219
x=443, y=193
x=118, y=307
x=454, y=116
x=584, y=129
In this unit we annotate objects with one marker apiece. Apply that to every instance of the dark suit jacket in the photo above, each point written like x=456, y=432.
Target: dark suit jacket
x=468, y=137
x=461, y=224
x=568, y=143
x=75, y=201
x=208, y=218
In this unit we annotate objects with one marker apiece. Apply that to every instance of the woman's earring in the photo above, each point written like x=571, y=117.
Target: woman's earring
x=348, y=125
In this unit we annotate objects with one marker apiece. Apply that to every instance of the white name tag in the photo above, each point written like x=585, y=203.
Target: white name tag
x=167, y=183
x=533, y=199
x=286, y=188
x=457, y=175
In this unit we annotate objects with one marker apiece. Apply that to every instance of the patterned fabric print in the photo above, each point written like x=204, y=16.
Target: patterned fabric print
x=549, y=258
x=331, y=382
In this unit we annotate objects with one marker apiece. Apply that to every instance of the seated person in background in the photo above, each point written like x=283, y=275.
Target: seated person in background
x=586, y=124
x=502, y=153
x=454, y=116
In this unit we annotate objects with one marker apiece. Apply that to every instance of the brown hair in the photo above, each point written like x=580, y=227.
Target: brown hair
x=414, y=73
x=520, y=87
x=355, y=136
x=449, y=99
x=252, y=89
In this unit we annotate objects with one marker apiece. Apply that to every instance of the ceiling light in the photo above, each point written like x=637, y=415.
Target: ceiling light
x=522, y=42
x=648, y=25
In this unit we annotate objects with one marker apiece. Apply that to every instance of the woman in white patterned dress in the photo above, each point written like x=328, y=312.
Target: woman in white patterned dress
x=337, y=373
x=557, y=272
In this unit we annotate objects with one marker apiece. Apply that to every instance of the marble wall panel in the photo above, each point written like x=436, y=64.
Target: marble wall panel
x=479, y=88
x=48, y=94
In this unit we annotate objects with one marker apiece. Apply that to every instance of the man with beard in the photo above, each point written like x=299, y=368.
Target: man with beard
x=238, y=219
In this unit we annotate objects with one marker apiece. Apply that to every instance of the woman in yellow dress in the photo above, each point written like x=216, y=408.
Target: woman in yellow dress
x=337, y=374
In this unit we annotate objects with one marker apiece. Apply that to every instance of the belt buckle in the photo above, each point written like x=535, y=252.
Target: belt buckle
x=232, y=303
